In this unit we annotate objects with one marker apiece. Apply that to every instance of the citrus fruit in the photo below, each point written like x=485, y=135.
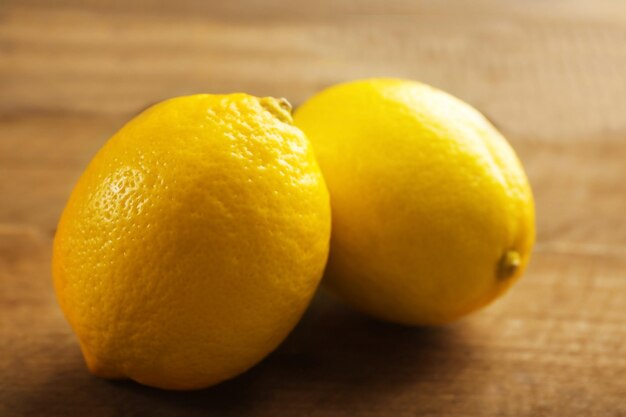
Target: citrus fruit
x=432, y=213
x=193, y=242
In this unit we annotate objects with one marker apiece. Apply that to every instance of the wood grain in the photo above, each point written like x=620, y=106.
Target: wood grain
x=551, y=75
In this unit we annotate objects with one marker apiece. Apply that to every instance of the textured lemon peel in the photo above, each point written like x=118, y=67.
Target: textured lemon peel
x=427, y=199
x=185, y=254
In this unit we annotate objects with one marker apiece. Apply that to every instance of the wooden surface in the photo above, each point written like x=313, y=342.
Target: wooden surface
x=551, y=75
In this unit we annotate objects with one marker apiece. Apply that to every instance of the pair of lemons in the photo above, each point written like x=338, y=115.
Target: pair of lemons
x=195, y=239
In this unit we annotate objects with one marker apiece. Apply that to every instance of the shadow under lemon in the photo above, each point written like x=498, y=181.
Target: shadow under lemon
x=335, y=359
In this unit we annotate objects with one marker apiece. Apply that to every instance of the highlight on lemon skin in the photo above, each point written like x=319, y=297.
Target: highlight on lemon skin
x=193, y=242
x=433, y=216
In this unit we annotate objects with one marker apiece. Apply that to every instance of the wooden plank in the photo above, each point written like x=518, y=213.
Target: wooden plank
x=538, y=69
x=554, y=346
x=41, y=158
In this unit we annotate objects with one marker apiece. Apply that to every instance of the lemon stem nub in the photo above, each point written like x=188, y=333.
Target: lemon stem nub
x=285, y=104
x=279, y=107
x=509, y=263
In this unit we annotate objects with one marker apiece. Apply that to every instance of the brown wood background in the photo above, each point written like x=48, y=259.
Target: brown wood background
x=550, y=74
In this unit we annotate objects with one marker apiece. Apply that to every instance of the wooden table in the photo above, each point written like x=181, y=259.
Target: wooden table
x=551, y=75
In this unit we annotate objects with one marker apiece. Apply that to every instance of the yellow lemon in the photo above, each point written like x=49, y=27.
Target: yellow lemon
x=193, y=242
x=432, y=213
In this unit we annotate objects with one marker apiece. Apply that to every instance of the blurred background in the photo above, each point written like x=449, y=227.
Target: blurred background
x=551, y=75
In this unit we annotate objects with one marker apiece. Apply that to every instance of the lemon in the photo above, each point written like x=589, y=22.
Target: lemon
x=432, y=213
x=193, y=242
